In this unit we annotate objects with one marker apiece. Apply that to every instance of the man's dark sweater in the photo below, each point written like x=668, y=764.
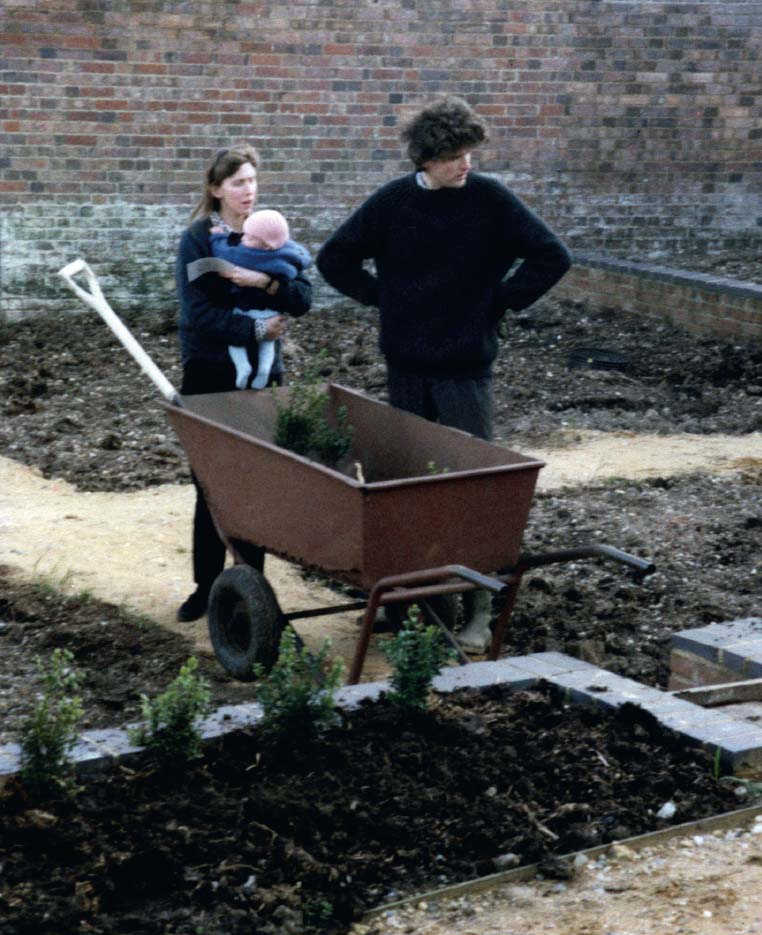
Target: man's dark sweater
x=441, y=258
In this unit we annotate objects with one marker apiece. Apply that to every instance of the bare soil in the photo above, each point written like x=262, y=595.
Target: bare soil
x=93, y=438
x=305, y=838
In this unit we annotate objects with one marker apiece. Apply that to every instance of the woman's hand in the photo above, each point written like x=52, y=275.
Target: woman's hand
x=251, y=277
x=276, y=327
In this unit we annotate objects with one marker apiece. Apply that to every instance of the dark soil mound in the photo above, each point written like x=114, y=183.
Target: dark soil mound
x=76, y=405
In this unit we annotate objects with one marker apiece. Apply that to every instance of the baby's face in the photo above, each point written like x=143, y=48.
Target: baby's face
x=251, y=240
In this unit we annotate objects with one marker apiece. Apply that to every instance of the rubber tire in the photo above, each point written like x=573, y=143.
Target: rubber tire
x=245, y=621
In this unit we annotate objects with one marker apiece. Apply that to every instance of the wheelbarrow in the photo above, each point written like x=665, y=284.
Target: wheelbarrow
x=432, y=512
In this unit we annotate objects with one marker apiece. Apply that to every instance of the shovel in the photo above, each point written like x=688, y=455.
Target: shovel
x=94, y=297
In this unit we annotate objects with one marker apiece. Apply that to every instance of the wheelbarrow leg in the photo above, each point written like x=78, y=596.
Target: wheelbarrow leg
x=504, y=616
x=363, y=641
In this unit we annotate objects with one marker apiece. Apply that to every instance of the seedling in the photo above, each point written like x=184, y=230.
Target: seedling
x=171, y=729
x=433, y=468
x=49, y=734
x=301, y=425
x=417, y=654
x=297, y=695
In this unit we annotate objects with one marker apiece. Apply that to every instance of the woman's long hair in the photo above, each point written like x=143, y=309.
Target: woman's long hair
x=226, y=163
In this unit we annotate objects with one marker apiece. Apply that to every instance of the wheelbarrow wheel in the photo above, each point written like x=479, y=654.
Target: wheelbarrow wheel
x=245, y=621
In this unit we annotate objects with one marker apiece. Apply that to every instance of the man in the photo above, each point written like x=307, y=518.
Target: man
x=443, y=240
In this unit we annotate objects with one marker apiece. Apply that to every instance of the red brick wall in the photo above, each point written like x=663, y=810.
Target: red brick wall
x=634, y=127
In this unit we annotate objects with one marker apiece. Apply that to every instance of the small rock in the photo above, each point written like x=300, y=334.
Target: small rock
x=556, y=868
x=505, y=861
x=580, y=861
x=667, y=810
x=622, y=852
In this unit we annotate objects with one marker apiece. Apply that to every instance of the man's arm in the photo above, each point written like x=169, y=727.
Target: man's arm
x=544, y=259
x=341, y=257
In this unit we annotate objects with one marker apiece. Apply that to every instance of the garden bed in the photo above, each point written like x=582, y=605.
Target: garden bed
x=385, y=805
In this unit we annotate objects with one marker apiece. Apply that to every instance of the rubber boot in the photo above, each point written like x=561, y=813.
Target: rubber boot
x=476, y=635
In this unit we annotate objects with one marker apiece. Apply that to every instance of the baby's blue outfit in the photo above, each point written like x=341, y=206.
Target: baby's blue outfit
x=284, y=263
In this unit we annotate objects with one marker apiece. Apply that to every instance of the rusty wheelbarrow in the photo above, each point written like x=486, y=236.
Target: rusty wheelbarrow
x=433, y=511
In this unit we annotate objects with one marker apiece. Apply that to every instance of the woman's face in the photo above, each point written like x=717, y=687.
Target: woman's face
x=237, y=194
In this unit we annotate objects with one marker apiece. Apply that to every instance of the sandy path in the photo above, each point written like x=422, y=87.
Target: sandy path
x=132, y=548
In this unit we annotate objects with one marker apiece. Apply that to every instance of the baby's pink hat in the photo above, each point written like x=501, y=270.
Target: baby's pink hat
x=268, y=225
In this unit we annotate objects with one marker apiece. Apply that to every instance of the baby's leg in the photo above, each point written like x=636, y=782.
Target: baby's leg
x=266, y=356
x=242, y=366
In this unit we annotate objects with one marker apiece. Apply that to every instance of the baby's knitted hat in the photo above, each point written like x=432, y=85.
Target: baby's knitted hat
x=269, y=226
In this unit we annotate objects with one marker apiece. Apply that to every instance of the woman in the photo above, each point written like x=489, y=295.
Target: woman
x=208, y=324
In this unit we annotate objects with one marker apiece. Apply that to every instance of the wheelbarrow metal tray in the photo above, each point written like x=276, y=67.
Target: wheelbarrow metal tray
x=400, y=518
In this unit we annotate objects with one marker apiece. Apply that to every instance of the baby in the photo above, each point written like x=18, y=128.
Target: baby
x=264, y=246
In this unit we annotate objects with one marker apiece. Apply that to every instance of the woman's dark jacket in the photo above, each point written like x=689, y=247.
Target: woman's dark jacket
x=208, y=325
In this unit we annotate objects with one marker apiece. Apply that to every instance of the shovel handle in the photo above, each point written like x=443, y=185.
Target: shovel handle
x=93, y=296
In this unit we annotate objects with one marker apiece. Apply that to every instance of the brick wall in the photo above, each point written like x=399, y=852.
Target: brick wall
x=695, y=301
x=633, y=127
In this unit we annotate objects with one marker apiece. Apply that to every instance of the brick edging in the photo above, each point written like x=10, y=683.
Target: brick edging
x=739, y=742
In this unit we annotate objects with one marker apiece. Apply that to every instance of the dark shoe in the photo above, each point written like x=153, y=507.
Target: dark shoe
x=194, y=606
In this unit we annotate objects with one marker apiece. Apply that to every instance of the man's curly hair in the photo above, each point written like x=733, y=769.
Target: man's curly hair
x=442, y=130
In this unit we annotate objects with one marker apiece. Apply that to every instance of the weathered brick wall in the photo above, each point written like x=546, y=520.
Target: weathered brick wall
x=698, y=302
x=633, y=127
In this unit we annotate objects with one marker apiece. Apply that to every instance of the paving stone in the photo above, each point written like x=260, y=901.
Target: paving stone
x=10, y=754
x=550, y=664
x=601, y=687
x=112, y=743
x=88, y=757
x=352, y=696
x=229, y=718
x=482, y=674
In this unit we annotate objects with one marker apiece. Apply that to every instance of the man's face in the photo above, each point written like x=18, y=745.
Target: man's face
x=450, y=171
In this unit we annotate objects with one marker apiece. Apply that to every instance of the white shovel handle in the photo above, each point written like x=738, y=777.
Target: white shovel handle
x=95, y=299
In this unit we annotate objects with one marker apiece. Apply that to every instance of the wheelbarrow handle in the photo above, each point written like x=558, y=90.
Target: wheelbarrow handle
x=93, y=296
x=642, y=566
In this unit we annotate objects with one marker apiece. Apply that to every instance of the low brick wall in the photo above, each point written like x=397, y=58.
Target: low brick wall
x=716, y=654
x=698, y=302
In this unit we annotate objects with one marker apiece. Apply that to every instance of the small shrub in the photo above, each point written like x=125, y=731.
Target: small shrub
x=297, y=694
x=417, y=653
x=301, y=425
x=49, y=734
x=171, y=731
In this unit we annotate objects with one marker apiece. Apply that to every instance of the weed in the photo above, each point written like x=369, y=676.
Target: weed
x=717, y=764
x=297, y=694
x=171, y=731
x=433, y=468
x=318, y=913
x=417, y=654
x=301, y=426
x=51, y=582
x=49, y=733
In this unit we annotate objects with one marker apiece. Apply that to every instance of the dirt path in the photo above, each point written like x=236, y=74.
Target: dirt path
x=700, y=884
x=132, y=548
